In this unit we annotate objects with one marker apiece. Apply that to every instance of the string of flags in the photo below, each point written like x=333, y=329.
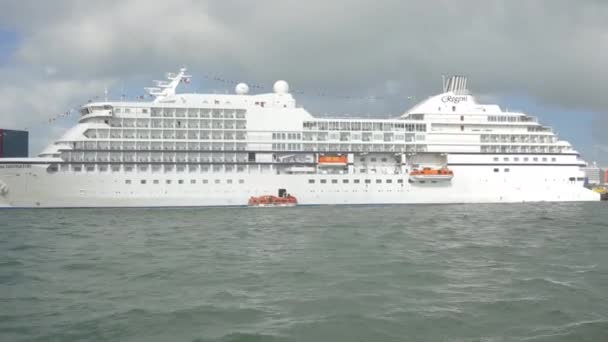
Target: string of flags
x=223, y=80
x=260, y=87
x=297, y=91
x=62, y=115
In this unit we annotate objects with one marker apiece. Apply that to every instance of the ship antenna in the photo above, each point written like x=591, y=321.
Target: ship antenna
x=105, y=93
x=167, y=88
x=443, y=83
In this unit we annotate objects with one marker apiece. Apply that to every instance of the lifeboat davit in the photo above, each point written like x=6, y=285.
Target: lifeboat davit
x=269, y=201
x=427, y=173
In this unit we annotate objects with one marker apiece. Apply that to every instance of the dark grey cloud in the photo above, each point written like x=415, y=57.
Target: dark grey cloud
x=553, y=51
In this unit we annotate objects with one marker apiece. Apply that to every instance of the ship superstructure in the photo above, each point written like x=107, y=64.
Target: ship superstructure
x=220, y=149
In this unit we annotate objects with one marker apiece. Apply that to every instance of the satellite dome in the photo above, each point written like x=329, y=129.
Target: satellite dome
x=241, y=89
x=281, y=87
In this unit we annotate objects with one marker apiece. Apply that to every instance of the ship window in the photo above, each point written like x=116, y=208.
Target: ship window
x=143, y=181
x=362, y=159
x=229, y=181
x=193, y=181
x=572, y=179
x=506, y=159
x=334, y=181
x=553, y=159
x=389, y=181
x=378, y=181
x=526, y=159
x=311, y=181
x=91, y=168
x=496, y=170
x=544, y=159
x=155, y=181
x=180, y=181
x=145, y=111
x=453, y=108
x=241, y=181
x=516, y=159
x=367, y=181
x=462, y=118
x=507, y=170
x=461, y=128
x=373, y=159
x=128, y=181
x=535, y=159
x=356, y=181
x=345, y=181
x=323, y=181
x=217, y=181
x=580, y=179
x=205, y=181
x=400, y=181
x=384, y=159
x=496, y=159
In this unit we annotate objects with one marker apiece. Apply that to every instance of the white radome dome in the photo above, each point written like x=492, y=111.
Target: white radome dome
x=281, y=87
x=241, y=88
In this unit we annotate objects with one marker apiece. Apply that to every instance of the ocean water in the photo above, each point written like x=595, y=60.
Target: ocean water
x=521, y=272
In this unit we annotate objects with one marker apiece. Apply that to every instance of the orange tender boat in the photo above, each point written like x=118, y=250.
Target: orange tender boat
x=427, y=173
x=269, y=201
x=333, y=159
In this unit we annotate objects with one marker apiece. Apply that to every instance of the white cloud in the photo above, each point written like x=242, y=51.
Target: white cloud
x=554, y=51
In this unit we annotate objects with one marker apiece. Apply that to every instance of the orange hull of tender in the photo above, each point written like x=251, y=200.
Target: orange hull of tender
x=333, y=159
x=272, y=201
x=443, y=174
x=432, y=172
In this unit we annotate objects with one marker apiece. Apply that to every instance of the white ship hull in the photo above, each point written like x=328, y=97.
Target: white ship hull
x=471, y=184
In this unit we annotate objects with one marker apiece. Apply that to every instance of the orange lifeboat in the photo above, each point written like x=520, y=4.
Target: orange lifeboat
x=427, y=173
x=333, y=160
x=269, y=201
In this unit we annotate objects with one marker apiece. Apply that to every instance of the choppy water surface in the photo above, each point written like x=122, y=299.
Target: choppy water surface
x=533, y=272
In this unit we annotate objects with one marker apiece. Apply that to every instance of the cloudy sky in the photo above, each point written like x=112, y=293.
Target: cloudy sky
x=546, y=57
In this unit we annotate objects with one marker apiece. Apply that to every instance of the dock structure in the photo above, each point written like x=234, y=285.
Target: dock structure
x=14, y=144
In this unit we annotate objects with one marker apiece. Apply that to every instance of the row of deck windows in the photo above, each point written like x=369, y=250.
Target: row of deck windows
x=511, y=118
x=517, y=138
x=181, y=181
x=172, y=123
x=525, y=159
x=362, y=126
x=199, y=112
x=355, y=181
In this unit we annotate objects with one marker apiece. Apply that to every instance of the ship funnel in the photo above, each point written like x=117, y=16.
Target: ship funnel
x=456, y=84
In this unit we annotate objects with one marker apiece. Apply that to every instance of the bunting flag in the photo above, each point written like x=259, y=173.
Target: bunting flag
x=317, y=93
x=219, y=79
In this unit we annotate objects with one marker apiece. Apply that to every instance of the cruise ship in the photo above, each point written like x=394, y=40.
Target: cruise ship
x=189, y=150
